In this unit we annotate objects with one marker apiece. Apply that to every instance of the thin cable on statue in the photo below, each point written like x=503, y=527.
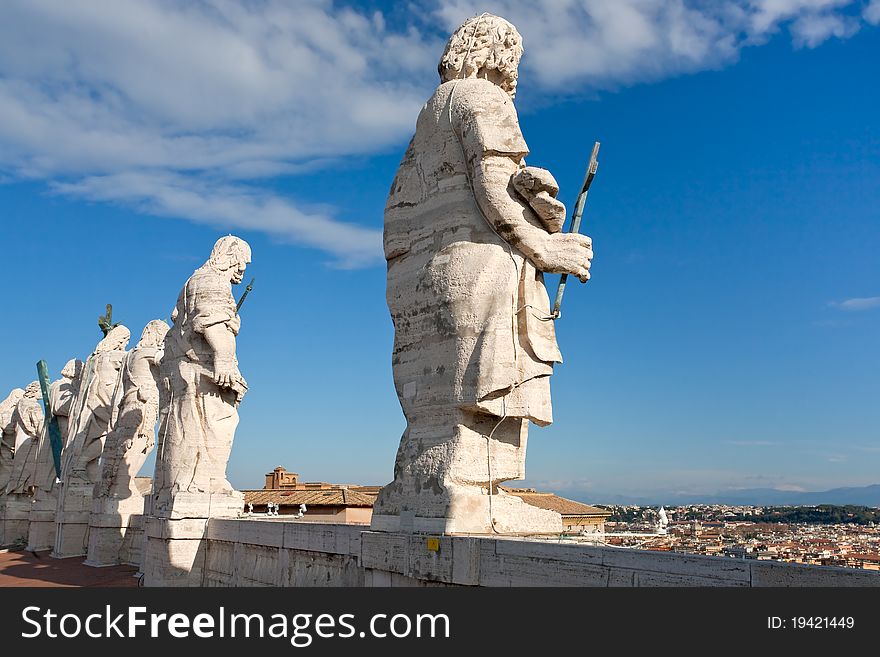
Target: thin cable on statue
x=516, y=351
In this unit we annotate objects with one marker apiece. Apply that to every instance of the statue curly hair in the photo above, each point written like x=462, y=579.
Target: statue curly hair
x=483, y=42
x=228, y=251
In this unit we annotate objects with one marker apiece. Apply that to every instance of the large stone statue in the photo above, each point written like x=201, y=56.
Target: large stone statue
x=129, y=442
x=7, y=444
x=90, y=422
x=27, y=419
x=200, y=387
x=41, y=532
x=468, y=232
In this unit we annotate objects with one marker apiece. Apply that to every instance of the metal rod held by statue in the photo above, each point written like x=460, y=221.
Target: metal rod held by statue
x=247, y=291
x=52, y=421
x=575, y=227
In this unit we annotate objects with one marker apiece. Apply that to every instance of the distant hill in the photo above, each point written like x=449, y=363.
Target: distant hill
x=860, y=496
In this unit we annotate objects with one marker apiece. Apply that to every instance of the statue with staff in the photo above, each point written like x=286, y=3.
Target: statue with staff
x=470, y=230
x=200, y=388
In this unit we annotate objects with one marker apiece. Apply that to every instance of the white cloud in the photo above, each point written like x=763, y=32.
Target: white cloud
x=161, y=98
x=794, y=488
x=232, y=206
x=602, y=44
x=186, y=109
x=871, y=12
x=857, y=303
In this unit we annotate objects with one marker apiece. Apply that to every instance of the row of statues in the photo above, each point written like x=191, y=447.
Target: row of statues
x=469, y=231
x=107, y=409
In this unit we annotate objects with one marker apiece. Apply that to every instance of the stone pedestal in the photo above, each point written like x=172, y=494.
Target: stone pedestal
x=174, y=553
x=469, y=513
x=72, y=520
x=14, y=519
x=115, y=526
x=41, y=532
x=132, y=550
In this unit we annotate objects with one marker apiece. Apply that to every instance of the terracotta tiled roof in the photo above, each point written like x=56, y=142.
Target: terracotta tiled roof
x=561, y=505
x=326, y=497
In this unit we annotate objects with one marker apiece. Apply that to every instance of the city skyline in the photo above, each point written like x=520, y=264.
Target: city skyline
x=727, y=339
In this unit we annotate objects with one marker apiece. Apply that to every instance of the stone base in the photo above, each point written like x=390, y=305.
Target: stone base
x=229, y=504
x=113, y=525
x=14, y=519
x=468, y=512
x=175, y=551
x=132, y=550
x=41, y=531
x=72, y=520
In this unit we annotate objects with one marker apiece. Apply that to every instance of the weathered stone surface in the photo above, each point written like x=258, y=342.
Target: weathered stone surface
x=135, y=410
x=474, y=346
x=62, y=393
x=109, y=523
x=246, y=552
x=28, y=421
x=200, y=388
x=7, y=444
x=89, y=425
x=27, y=424
x=175, y=552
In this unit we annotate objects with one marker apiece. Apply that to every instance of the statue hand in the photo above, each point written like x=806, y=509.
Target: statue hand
x=566, y=253
x=226, y=374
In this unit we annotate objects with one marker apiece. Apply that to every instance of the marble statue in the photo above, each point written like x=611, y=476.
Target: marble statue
x=128, y=444
x=26, y=423
x=41, y=530
x=133, y=433
x=201, y=387
x=469, y=229
x=7, y=427
x=28, y=420
x=89, y=425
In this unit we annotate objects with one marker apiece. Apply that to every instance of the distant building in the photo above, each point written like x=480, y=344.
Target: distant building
x=576, y=517
x=351, y=503
x=342, y=503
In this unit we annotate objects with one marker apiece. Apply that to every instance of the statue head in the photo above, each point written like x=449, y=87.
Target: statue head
x=32, y=391
x=231, y=255
x=154, y=334
x=72, y=368
x=12, y=399
x=485, y=46
x=116, y=339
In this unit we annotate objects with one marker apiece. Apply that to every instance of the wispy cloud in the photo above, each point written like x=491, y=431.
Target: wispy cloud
x=168, y=106
x=599, y=44
x=790, y=487
x=189, y=110
x=857, y=303
x=227, y=206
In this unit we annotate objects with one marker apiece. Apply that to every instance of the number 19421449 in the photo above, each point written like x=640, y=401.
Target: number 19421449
x=811, y=623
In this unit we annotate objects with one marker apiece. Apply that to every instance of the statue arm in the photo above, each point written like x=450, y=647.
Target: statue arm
x=222, y=343
x=516, y=223
x=494, y=148
x=32, y=419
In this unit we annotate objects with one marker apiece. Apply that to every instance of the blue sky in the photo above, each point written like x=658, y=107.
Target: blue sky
x=728, y=338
